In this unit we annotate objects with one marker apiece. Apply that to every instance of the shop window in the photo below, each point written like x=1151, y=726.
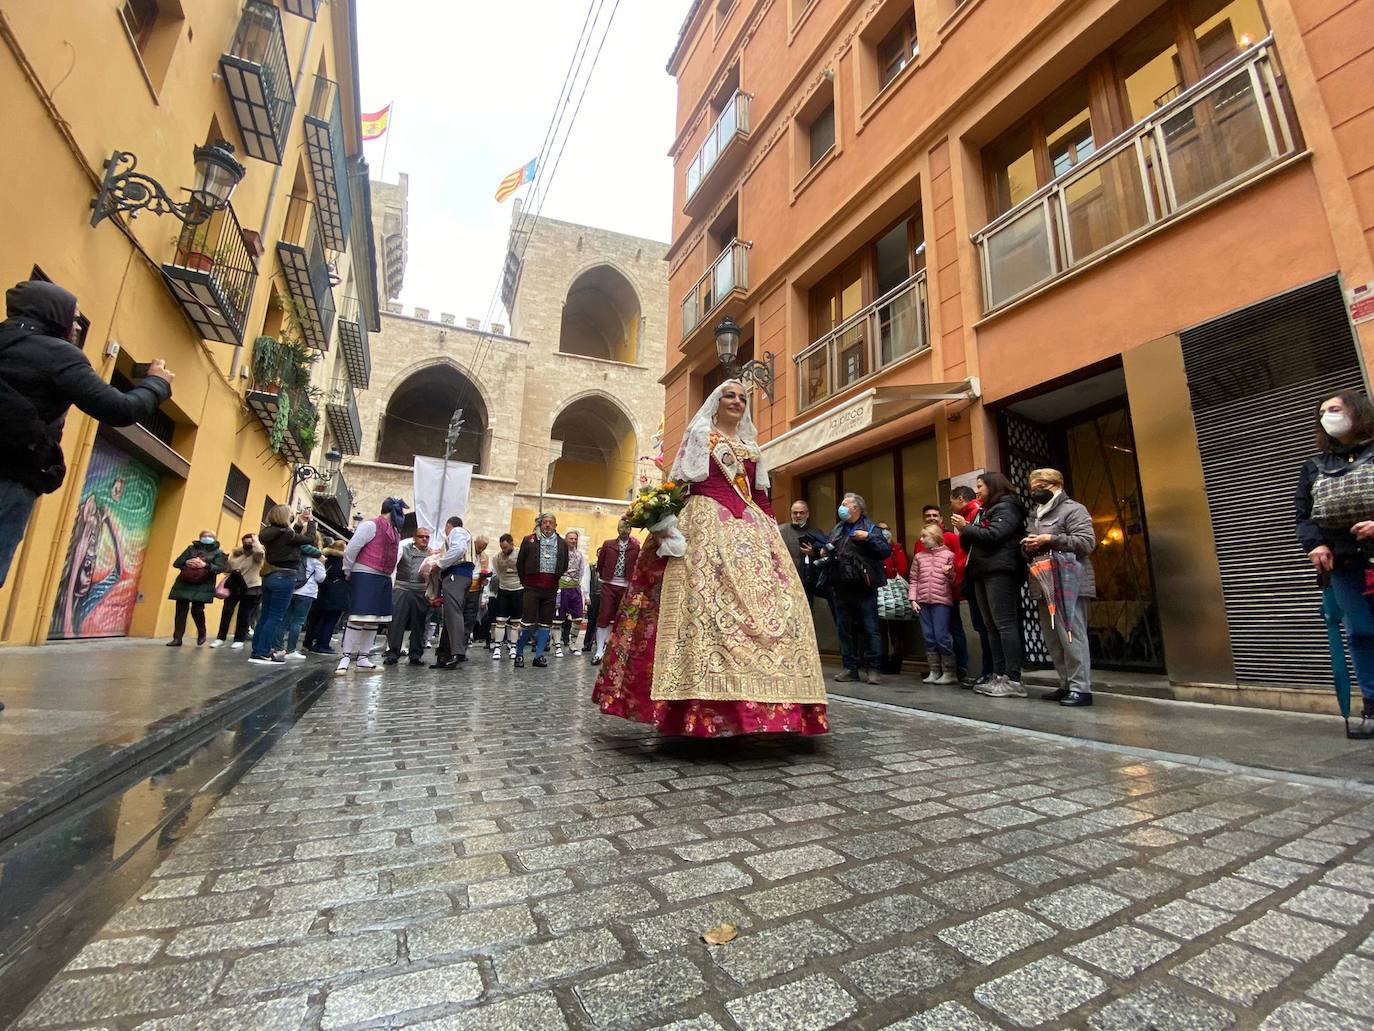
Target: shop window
x=153, y=28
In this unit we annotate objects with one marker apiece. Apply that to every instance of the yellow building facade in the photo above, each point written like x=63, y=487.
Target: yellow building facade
x=262, y=311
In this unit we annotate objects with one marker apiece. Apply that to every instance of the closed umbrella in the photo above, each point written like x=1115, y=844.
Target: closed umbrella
x=1059, y=577
x=1331, y=614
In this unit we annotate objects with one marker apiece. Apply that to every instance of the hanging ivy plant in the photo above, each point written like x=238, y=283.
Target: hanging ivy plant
x=281, y=425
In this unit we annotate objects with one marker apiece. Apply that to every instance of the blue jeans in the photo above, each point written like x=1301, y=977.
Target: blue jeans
x=858, y=614
x=935, y=629
x=293, y=620
x=16, y=505
x=276, y=599
x=1357, y=614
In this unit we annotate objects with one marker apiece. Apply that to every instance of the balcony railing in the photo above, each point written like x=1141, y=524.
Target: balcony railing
x=342, y=409
x=353, y=344
x=213, y=273
x=279, y=396
x=1211, y=138
x=301, y=252
x=728, y=273
x=333, y=500
x=257, y=77
x=324, y=142
x=893, y=327
x=733, y=122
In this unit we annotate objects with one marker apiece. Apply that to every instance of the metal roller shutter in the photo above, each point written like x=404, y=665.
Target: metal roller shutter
x=1256, y=377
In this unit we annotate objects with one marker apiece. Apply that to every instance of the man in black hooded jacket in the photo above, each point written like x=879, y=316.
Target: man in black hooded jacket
x=42, y=374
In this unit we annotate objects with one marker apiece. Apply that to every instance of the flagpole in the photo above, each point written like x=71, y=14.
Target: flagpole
x=390, y=116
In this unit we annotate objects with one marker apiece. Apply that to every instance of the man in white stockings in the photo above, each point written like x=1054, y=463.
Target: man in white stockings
x=615, y=561
x=368, y=562
x=508, y=604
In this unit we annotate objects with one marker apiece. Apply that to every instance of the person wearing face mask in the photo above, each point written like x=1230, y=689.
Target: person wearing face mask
x=858, y=554
x=1060, y=527
x=995, y=569
x=194, y=587
x=1335, y=524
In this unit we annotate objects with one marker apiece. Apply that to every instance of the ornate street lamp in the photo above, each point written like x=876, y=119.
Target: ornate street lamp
x=127, y=190
x=759, y=373
x=301, y=473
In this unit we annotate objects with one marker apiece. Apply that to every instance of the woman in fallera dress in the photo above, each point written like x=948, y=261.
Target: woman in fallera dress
x=719, y=642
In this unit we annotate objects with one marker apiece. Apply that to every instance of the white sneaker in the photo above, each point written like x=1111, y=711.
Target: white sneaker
x=237, y=644
x=558, y=651
x=992, y=687
x=496, y=653
x=295, y=657
x=577, y=651
x=365, y=662
x=930, y=677
x=342, y=667
x=216, y=643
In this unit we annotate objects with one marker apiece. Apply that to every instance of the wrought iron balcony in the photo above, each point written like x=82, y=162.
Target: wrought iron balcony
x=727, y=277
x=301, y=253
x=1210, y=139
x=342, y=409
x=278, y=395
x=333, y=500
x=723, y=146
x=303, y=8
x=257, y=77
x=324, y=142
x=893, y=327
x=353, y=343
x=212, y=275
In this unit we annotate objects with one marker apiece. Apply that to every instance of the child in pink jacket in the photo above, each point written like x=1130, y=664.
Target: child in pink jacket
x=932, y=595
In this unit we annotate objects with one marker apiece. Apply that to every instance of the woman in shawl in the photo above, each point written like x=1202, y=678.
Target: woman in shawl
x=718, y=642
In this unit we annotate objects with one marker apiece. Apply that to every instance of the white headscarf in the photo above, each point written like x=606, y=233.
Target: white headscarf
x=693, y=461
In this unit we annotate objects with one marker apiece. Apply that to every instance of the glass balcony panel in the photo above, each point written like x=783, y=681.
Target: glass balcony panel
x=690, y=316
x=1105, y=205
x=723, y=275
x=1018, y=255
x=727, y=126
x=852, y=354
x=901, y=326
x=1216, y=140
x=815, y=374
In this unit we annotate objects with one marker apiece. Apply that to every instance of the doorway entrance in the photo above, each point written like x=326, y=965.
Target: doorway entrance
x=1084, y=430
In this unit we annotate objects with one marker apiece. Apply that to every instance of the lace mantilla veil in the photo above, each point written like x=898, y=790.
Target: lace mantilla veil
x=693, y=461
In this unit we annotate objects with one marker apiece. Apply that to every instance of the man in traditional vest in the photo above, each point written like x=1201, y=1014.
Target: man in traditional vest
x=615, y=561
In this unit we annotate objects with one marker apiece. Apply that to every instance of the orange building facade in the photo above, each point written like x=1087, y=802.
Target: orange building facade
x=1116, y=237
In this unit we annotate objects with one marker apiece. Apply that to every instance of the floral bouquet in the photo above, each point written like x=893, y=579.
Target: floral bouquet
x=655, y=508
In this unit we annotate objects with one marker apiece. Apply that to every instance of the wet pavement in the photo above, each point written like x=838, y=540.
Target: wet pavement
x=482, y=849
x=81, y=713
x=1311, y=745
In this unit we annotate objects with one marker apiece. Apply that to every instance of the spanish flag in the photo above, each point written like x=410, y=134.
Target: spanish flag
x=375, y=124
x=522, y=175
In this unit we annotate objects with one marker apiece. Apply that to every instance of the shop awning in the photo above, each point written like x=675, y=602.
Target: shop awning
x=873, y=407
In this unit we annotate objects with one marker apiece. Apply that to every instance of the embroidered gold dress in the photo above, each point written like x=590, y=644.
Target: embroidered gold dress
x=720, y=642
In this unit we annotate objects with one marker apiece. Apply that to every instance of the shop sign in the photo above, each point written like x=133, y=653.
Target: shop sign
x=822, y=432
x=1360, y=300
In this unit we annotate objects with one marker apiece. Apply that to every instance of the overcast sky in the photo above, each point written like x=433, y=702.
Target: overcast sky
x=474, y=86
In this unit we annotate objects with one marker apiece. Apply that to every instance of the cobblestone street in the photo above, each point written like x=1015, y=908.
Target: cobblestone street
x=485, y=850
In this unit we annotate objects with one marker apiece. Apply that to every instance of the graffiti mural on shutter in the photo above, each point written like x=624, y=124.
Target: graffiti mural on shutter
x=109, y=540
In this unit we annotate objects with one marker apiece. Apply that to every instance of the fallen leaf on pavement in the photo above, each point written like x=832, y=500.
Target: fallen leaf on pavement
x=720, y=935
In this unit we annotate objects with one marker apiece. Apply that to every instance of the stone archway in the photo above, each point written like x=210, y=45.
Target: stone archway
x=418, y=413
x=599, y=456
x=601, y=316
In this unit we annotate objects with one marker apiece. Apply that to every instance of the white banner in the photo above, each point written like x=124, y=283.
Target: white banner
x=438, y=496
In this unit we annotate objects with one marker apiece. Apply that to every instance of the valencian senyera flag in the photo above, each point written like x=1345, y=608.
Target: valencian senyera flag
x=522, y=175
x=375, y=124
